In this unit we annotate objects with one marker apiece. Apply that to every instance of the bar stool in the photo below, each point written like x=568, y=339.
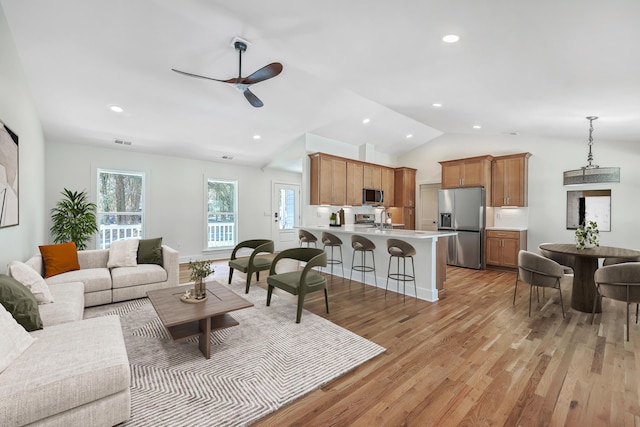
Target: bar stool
x=331, y=240
x=305, y=237
x=363, y=245
x=401, y=249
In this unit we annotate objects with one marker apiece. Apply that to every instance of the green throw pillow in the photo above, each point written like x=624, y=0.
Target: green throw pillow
x=20, y=302
x=150, y=251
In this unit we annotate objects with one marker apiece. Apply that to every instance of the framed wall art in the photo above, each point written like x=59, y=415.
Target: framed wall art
x=9, y=212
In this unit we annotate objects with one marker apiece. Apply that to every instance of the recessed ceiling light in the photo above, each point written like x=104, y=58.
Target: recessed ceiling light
x=256, y=137
x=365, y=121
x=116, y=109
x=477, y=127
x=450, y=38
x=437, y=105
x=410, y=136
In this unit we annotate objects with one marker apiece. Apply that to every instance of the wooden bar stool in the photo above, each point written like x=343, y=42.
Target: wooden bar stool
x=332, y=241
x=363, y=245
x=401, y=249
x=306, y=237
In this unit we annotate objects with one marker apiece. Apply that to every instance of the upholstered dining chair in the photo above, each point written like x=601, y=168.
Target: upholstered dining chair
x=613, y=261
x=301, y=282
x=566, y=261
x=539, y=272
x=252, y=263
x=620, y=282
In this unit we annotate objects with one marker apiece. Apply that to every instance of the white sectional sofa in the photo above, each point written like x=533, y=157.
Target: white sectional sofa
x=76, y=372
x=103, y=285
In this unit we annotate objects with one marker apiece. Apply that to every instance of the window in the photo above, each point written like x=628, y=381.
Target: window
x=222, y=218
x=120, y=206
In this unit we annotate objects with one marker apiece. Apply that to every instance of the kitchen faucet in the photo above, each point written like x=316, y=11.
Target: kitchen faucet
x=383, y=218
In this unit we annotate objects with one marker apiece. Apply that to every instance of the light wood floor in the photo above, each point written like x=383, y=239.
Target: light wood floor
x=473, y=359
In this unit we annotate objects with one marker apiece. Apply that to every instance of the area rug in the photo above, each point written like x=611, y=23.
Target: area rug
x=255, y=368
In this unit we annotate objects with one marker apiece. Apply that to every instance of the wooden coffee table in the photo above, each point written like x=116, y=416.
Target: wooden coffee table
x=187, y=320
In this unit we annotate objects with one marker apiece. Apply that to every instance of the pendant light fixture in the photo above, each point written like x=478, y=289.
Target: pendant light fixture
x=591, y=174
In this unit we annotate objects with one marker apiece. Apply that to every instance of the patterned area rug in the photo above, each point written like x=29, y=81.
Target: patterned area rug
x=255, y=368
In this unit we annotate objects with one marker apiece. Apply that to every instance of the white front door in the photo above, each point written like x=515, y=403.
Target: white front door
x=428, y=219
x=285, y=215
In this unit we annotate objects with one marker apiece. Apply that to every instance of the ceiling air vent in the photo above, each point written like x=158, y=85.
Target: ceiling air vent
x=227, y=157
x=121, y=142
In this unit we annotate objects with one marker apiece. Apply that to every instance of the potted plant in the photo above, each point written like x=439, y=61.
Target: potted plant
x=74, y=219
x=587, y=235
x=199, y=271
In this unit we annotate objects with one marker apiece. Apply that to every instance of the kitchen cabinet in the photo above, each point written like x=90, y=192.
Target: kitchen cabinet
x=354, y=183
x=328, y=180
x=388, y=187
x=469, y=172
x=502, y=247
x=372, y=176
x=509, y=180
x=405, y=196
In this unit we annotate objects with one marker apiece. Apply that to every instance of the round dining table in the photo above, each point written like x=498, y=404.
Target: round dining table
x=586, y=263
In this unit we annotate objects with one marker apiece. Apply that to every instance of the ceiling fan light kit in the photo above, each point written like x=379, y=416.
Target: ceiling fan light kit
x=591, y=174
x=243, y=83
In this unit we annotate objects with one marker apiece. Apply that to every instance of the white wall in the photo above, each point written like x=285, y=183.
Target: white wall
x=547, y=195
x=18, y=112
x=175, y=191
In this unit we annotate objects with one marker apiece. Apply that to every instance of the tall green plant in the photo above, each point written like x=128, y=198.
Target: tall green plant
x=74, y=219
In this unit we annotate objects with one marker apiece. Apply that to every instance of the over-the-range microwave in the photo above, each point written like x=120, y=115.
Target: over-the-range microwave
x=371, y=196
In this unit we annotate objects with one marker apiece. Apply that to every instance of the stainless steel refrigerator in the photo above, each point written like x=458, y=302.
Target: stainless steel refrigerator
x=463, y=210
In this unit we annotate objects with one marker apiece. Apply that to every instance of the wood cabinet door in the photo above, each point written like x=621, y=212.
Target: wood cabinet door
x=493, y=256
x=388, y=181
x=354, y=184
x=510, y=249
x=451, y=175
x=514, y=182
x=473, y=175
x=325, y=181
x=339, y=182
x=372, y=177
x=410, y=188
x=498, y=174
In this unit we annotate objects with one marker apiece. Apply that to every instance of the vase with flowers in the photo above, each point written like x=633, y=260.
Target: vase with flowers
x=587, y=235
x=199, y=271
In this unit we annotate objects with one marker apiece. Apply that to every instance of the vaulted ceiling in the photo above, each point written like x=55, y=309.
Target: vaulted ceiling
x=535, y=68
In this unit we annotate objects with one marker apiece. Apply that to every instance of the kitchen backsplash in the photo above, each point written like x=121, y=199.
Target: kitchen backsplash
x=319, y=215
x=511, y=217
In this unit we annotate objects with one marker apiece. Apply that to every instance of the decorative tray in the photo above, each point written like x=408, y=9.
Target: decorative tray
x=191, y=299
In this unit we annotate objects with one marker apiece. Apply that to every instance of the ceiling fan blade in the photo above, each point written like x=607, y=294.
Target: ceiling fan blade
x=263, y=73
x=234, y=80
x=253, y=100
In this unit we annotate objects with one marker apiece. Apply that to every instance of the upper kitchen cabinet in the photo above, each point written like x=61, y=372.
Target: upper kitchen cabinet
x=354, y=183
x=509, y=176
x=328, y=180
x=469, y=172
x=372, y=177
x=388, y=187
x=405, y=196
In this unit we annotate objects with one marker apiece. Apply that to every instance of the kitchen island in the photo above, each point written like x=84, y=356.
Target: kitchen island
x=430, y=259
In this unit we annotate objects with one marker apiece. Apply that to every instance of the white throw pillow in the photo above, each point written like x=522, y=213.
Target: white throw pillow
x=123, y=253
x=14, y=341
x=32, y=280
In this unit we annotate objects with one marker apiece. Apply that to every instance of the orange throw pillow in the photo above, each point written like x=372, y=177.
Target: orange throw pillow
x=59, y=259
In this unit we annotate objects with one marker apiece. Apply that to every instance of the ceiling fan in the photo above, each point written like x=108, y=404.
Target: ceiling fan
x=243, y=83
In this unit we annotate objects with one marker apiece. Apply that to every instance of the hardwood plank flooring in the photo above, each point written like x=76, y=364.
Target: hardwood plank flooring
x=471, y=358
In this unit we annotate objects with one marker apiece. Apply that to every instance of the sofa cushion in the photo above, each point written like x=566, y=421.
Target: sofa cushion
x=15, y=339
x=69, y=305
x=20, y=302
x=59, y=258
x=32, y=280
x=150, y=251
x=143, y=274
x=94, y=279
x=69, y=365
x=123, y=253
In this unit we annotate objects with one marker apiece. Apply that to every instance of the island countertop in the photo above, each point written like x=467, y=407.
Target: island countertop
x=387, y=232
x=430, y=257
